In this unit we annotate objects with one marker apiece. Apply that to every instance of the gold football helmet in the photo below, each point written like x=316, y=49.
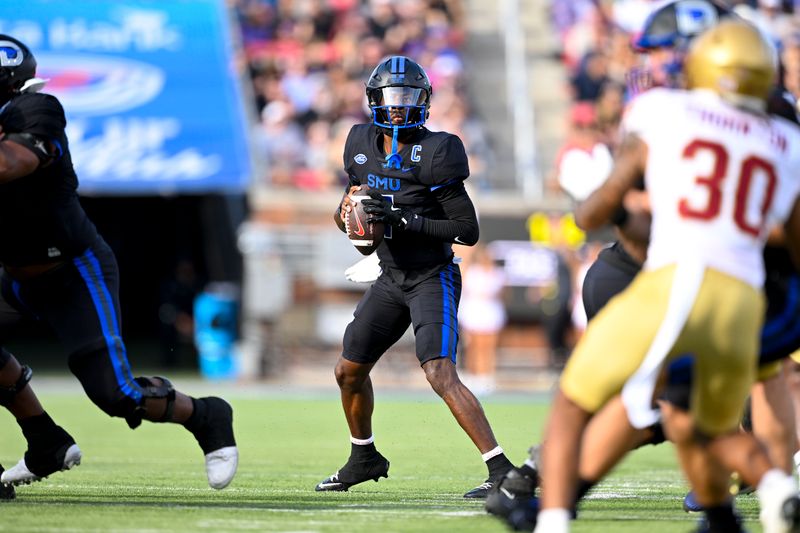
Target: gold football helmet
x=735, y=60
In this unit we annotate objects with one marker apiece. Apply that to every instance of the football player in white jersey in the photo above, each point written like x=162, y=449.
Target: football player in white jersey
x=719, y=173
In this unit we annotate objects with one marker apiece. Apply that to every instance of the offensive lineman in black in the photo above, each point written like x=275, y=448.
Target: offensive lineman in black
x=58, y=269
x=416, y=182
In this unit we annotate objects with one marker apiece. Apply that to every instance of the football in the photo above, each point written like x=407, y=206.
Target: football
x=365, y=236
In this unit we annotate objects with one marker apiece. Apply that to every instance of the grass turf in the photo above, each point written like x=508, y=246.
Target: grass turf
x=152, y=479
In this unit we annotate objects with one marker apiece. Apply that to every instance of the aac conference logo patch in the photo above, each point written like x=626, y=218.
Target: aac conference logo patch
x=360, y=159
x=98, y=85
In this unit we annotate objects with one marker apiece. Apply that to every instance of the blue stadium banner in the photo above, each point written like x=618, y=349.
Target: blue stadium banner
x=150, y=91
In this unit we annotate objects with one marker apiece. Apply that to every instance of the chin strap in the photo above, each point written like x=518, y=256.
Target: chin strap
x=394, y=160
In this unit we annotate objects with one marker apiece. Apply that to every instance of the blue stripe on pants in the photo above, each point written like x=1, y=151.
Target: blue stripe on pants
x=89, y=268
x=449, y=339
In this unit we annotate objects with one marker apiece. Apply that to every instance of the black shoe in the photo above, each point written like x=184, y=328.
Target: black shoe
x=7, y=492
x=354, y=472
x=514, y=486
x=704, y=527
x=481, y=491
x=521, y=513
x=690, y=503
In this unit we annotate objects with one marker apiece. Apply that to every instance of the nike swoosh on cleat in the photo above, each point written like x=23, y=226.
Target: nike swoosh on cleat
x=459, y=241
x=326, y=485
x=508, y=494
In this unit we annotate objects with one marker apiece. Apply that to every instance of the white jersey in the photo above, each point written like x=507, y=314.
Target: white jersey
x=718, y=179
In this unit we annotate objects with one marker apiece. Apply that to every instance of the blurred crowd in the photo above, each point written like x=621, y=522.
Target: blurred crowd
x=595, y=38
x=309, y=61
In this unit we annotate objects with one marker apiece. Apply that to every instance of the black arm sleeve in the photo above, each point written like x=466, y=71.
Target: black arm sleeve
x=461, y=222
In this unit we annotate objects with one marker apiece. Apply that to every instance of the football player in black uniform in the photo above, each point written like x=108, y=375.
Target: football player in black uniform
x=56, y=268
x=416, y=184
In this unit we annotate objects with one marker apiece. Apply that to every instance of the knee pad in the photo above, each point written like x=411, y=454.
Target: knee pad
x=122, y=398
x=152, y=390
x=7, y=394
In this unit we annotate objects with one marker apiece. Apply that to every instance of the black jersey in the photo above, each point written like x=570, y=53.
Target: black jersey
x=40, y=213
x=777, y=261
x=431, y=161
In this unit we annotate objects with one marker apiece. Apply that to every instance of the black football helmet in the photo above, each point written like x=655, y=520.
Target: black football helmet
x=671, y=27
x=677, y=23
x=17, y=65
x=399, y=93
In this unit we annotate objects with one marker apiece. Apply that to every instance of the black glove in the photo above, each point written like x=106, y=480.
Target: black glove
x=380, y=209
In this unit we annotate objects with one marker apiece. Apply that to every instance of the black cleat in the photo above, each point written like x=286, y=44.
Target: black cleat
x=704, y=527
x=523, y=517
x=354, y=472
x=515, y=486
x=481, y=491
x=690, y=503
x=7, y=492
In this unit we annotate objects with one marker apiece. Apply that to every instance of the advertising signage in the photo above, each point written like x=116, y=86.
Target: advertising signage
x=149, y=88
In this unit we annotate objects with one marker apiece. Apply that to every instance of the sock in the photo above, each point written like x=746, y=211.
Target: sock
x=47, y=444
x=34, y=428
x=774, y=488
x=552, y=521
x=775, y=481
x=722, y=519
x=362, y=448
x=497, y=463
x=797, y=462
x=198, y=416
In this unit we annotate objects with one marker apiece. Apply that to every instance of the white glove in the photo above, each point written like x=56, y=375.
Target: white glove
x=365, y=271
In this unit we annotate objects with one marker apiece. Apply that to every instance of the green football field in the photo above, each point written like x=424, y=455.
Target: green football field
x=152, y=479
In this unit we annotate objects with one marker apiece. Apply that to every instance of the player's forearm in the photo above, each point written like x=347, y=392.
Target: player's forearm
x=460, y=224
x=597, y=210
x=453, y=231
